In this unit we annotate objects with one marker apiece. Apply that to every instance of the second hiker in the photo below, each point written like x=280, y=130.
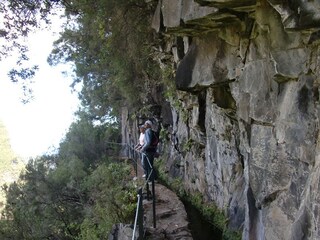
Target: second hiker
x=148, y=150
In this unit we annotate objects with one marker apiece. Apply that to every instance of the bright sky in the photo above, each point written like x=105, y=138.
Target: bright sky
x=37, y=127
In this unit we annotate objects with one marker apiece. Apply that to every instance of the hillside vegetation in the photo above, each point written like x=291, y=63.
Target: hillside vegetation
x=10, y=164
x=82, y=190
x=6, y=153
x=78, y=193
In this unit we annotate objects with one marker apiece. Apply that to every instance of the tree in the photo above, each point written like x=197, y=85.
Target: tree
x=111, y=47
x=20, y=18
x=112, y=200
x=65, y=196
x=37, y=206
x=80, y=191
x=90, y=143
x=109, y=42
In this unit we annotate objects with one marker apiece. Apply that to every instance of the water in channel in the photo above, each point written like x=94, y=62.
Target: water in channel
x=200, y=228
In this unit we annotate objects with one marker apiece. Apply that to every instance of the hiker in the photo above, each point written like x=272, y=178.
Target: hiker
x=148, y=150
x=141, y=138
x=138, y=147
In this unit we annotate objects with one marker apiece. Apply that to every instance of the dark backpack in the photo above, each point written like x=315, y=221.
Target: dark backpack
x=154, y=140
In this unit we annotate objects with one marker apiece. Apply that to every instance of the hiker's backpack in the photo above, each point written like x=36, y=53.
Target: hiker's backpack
x=154, y=140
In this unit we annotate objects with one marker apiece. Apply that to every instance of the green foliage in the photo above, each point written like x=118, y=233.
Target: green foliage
x=188, y=144
x=164, y=135
x=38, y=209
x=111, y=49
x=19, y=18
x=109, y=42
x=214, y=215
x=89, y=142
x=7, y=154
x=111, y=204
x=71, y=171
x=168, y=73
x=68, y=203
x=76, y=194
x=10, y=163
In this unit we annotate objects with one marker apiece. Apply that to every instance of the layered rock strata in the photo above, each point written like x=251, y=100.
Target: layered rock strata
x=245, y=118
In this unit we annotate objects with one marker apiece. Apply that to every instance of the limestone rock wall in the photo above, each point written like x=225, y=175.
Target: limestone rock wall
x=245, y=119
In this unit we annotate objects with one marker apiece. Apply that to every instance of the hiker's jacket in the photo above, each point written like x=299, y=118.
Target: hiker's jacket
x=147, y=147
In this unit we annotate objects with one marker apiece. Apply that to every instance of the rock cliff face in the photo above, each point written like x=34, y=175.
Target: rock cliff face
x=245, y=133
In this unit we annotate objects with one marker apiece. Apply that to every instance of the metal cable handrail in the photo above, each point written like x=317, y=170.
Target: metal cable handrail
x=139, y=202
x=137, y=214
x=139, y=209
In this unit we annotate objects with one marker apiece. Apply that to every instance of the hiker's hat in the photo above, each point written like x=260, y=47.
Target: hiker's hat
x=148, y=122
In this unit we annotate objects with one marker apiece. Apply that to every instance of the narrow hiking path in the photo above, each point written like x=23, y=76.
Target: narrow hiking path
x=171, y=216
